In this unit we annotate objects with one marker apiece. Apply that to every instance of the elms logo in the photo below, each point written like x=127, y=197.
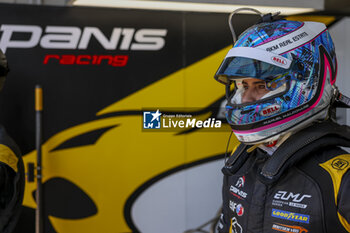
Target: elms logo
x=287, y=196
x=151, y=120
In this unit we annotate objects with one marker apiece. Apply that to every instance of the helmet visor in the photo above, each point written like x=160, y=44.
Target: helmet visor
x=238, y=67
x=252, y=90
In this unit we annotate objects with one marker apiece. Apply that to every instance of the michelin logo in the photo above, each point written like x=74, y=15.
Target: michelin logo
x=295, y=217
x=151, y=120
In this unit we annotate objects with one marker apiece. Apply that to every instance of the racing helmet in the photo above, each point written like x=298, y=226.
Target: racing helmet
x=295, y=64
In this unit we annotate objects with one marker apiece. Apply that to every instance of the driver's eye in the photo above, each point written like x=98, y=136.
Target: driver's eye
x=262, y=86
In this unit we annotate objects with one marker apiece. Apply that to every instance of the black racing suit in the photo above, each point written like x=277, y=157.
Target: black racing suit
x=303, y=187
x=11, y=182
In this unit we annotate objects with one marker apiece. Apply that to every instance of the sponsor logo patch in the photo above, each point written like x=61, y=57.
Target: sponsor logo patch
x=286, y=196
x=288, y=228
x=286, y=215
x=86, y=59
x=237, y=192
x=279, y=60
x=237, y=208
x=270, y=110
x=70, y=37
x=283, y=198
x=286, y=203
x=235, y=226
x=240, y=182
x=340, y=164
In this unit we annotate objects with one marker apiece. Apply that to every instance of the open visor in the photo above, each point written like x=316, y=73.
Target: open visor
x=251, y=62
x=251, y=90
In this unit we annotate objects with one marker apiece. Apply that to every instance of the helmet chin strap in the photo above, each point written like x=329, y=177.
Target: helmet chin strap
x=341, y=101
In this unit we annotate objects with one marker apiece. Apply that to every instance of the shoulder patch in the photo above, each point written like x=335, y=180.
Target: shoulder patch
x=8, y=157
x=337, y=167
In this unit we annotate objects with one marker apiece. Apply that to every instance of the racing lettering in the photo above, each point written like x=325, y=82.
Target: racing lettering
x=61, y=37
x=240, y=194
x=8, y=30
x=288, y=228
x=300, y=36
x=64, y=37
x=285, y=43
x=149, y=39
x=269, y=110
x=290, y=216
x=295, y=197
x=279, y=60
x=113, y=60
x=110, y=44
x=274, y=47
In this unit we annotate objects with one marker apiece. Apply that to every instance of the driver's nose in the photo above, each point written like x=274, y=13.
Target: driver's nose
x=249, y=95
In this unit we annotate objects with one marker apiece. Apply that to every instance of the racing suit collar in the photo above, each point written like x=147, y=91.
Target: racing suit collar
x=271, y=149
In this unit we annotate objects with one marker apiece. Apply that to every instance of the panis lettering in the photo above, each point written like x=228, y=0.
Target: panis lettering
x=68, y=37
x=75, y=38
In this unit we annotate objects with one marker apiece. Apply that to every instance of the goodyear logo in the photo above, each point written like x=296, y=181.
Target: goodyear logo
x=296, y=217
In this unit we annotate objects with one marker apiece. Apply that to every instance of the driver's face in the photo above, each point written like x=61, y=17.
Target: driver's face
x=254, y=89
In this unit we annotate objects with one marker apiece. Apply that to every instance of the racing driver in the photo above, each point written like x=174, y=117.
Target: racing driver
x=289, y=173
x=11, y=171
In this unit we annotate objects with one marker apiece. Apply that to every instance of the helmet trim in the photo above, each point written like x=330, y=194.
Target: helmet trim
x=261, y=55
x=295, y=39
